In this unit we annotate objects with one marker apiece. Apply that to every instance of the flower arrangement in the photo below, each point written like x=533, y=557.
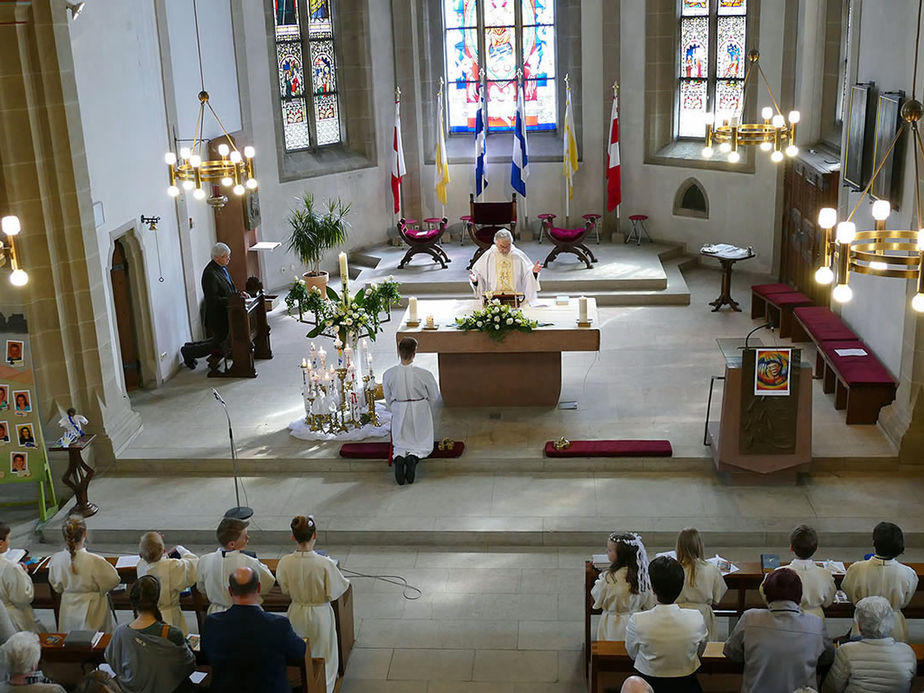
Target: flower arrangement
x=497, y=320
x=336, y=315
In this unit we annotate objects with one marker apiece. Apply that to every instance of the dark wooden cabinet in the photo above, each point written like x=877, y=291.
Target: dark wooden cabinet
x=810, y=182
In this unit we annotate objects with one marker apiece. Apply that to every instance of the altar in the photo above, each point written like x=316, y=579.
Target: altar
x=523, y=370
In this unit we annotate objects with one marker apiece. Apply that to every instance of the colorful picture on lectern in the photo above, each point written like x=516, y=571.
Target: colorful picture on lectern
x=22, y=402
x=19, y=463
x=4, y=432
x=25, y=435
x=771, y=372
x=14, y=352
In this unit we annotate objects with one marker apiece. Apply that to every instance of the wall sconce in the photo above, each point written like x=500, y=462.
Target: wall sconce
x=11, y=227
x=150, y=221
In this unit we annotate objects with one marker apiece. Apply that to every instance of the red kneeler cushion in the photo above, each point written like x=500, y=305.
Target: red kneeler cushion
x=612, y=448
x=380, y=451
x=767, y=289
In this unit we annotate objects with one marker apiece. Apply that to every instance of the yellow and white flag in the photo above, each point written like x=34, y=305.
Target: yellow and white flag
x=442, y=165
x=570, y=159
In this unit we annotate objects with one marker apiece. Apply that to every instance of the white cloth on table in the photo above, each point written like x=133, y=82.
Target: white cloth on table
x=883, y=578
x=818, y=588
x=16, y=593
x=612, y=593
x=175, y=576
x=313, y=581
x=215, y=568
x=666, y=641
x=409, y=391
x=83, y=594
x=704, y=592
x=299, y=429
x=523, y=281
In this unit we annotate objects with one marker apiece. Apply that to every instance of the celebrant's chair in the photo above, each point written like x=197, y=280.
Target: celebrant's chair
x=487, y=219
x=424, y=241
x=568, y=241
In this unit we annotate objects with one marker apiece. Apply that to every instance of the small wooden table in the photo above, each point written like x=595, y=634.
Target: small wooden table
x=725, y=298
x=523, y=370
x=78, y=474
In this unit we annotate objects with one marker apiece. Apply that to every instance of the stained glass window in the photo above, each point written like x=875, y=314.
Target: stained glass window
x=711, y=62
x=486, y=42
x=310, y=116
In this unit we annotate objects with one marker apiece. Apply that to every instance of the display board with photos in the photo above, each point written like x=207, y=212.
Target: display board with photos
x=23, y=457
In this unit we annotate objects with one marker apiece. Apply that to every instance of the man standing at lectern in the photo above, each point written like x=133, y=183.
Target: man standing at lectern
x=505, y=269
x=216, y=287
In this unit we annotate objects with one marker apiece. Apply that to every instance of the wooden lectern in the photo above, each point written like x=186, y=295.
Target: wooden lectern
x=248, y=338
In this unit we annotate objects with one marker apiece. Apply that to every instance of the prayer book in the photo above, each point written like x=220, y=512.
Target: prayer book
x=769, y=561
x=197, y=676
x=193, y=640
x=850, y=352
x=723, y=564
x=600, y=561
x=834, y=567
x=127, y=561
x=83, y=638
x=16, y=555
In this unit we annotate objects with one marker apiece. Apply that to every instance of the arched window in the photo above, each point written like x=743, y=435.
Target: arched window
x=311, y=114
x=691, y=200
x=711, y=61
x=486, y=42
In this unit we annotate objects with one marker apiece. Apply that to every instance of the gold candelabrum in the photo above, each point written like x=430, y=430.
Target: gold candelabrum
x=340, y=414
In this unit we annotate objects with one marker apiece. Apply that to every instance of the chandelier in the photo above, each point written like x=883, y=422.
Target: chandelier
x=193, y=167
x=772, y=134
x=11, y=227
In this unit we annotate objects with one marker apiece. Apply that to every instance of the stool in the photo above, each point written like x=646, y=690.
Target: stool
x=593, y=219
x=543, y=218
x=466, y=223
x=638, y=228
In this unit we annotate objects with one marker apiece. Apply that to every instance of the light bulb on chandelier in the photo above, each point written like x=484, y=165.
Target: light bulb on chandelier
x=18, y=277
x=842, y=293
x=824, y=275
x=918, y=303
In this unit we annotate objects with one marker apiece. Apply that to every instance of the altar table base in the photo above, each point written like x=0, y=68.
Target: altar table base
x=530, y=379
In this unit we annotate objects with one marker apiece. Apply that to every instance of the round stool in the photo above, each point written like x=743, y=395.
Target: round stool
x=593, y=218
x=544, y=217
x=638, y=228
x=466, y=225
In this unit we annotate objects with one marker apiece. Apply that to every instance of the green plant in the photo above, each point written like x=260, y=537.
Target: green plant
x=334, y=316
x=313, y=231
x=497, y=320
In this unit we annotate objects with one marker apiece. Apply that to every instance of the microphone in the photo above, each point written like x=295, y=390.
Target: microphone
x=217, y=396
x=759, y=327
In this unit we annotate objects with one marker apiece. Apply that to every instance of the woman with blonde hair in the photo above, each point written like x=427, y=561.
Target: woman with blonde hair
x=313, y=581
x=704, y=585
x=83, y=580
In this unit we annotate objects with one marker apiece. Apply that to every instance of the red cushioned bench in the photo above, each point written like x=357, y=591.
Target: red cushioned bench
x=819, y=324
x=861, y=384
x=759, y=293
x=779, y=309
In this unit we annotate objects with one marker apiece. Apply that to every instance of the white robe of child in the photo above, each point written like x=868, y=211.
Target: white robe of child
x=16, y=593
x=818, y=588
x=409, y=391
x=613, y=594
x=706, y=590
x=506, y=274
x=215, y=568
x=314, y=581
x=883, y=578
x=175, y=575
x=83, y=594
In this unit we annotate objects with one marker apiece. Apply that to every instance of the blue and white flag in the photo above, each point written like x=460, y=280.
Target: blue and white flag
x=481, y=179
x=519, y=164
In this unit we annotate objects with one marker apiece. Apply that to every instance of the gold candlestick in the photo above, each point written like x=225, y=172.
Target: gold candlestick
x=341, y=374
x=369, y=393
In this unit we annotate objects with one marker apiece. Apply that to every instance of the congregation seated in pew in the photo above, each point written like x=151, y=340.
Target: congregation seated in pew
x=175, y=575
x=21, y=654
x=215, y=568
x=818, y=588
x=16, y=589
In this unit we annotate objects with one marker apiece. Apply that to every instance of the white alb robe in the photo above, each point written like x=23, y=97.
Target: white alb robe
x=613, y=594
x=706, y=590
x=818, y=588
x=83, y=594
x=314, y=581
x=883, y=578
x=215, y=568
x=409, y=391
x=489, y=279
x=175, y=575
x=16, y=593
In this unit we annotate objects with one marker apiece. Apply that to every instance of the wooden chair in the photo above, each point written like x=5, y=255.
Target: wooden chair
x=487, y=219
x=569, y=241
x=424, y=241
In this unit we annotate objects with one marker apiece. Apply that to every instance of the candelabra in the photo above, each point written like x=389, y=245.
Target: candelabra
x=335, y=398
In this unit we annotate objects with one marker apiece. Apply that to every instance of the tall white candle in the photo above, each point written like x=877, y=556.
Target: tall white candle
x=348, y=355
x=412, y=309
x=582, y=309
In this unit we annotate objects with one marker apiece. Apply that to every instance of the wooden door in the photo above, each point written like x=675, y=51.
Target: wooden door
x=125, y=318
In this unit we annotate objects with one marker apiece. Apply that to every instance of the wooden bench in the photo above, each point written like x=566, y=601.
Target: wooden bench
x=779, y=307
x=759, y=293
x=861, y=384
x=610, y=657
x=818, y=325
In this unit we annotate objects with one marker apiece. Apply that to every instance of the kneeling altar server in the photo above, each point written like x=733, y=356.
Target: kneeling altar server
x=505, y=269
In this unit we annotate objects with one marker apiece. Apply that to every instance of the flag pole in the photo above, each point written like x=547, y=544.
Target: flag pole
x=567, y=186
x=616, y=96
x=400, y=187
x=439, y=103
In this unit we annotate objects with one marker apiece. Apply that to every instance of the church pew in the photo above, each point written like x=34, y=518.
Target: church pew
x=310, y=672
x=610, y=657
x=743, y=595
x=274, y=600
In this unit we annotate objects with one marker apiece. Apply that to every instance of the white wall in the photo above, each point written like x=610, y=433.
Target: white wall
x=120, y=90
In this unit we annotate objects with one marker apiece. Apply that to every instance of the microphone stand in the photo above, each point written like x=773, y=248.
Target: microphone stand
x=759, y=327
x=239, y=512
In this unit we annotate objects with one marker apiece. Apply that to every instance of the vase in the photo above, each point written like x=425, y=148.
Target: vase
x=318, y=280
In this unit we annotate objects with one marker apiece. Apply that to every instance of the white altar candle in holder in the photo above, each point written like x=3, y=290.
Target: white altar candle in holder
x=348, y=355
x=344, y=275
x=582, y=309
x=322, y=355
x=412, y=309
x=369, y=362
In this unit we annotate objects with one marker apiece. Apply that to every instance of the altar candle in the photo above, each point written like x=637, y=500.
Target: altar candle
x=369, y=362
x=344, y=274
x=348, y=355
x=322, y=355
x=304, y=364
x=430, y=321
x=412, y=309
x=582, y=309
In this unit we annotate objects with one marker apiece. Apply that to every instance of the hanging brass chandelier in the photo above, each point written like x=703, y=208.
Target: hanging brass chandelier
x=193, y=167
x=773, y=134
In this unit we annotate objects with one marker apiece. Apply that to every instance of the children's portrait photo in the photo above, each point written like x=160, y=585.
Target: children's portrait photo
x=4, y=397
x=4, y=432
x=22, y=402
x=14, y=349
x=19, y=463
x=25, y=435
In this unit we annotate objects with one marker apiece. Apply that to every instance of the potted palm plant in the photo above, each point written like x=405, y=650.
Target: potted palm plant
x=312, y=231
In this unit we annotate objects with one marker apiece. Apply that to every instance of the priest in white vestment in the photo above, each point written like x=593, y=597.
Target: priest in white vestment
x=505, y=269
x=409, y=391
x=214, y=569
